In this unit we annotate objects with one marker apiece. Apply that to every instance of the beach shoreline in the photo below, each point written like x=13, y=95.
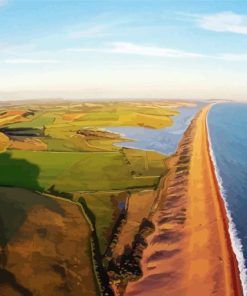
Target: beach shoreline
x=237, y=284
x=190, y=252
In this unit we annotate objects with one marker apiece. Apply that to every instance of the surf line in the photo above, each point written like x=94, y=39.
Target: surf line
x=239, y=271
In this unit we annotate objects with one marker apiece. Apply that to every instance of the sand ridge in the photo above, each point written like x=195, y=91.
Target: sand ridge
x=190, y=252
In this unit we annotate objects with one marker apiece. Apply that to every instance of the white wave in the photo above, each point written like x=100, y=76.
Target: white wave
x=235, y=240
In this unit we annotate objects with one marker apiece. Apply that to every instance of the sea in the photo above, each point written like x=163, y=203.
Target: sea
x=227, y=126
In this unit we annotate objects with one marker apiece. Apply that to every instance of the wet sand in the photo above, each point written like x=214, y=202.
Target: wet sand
x=190, y=252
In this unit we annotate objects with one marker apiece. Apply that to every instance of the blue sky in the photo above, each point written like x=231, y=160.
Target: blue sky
x=123, y=49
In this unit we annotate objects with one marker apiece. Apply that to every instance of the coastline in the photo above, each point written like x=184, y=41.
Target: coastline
x=190, y=252
x=236, y=255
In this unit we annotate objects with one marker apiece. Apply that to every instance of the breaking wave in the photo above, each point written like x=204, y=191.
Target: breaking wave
x=235, y=240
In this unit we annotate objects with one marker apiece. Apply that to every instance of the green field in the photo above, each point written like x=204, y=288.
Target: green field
x=74, y=171
x=38, y=121
x=60, y=127
x=105, y=207
x=64, y=150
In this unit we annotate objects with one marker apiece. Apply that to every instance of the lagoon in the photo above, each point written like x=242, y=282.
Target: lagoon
x=164, y=140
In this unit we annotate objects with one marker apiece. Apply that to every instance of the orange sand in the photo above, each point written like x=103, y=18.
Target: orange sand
x=190, y=251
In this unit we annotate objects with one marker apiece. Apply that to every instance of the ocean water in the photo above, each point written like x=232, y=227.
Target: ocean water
x=164, y=140
x=227, y=125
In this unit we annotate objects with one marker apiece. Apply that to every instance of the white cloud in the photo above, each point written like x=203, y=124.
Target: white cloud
x=141, y=50
x=30, y=61
x=93, y=31
x=221, y=22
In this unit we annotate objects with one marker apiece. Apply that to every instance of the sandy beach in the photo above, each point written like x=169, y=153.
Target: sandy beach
x=190, y=252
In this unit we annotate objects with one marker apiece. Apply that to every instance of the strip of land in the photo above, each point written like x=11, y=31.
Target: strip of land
x=190, y=251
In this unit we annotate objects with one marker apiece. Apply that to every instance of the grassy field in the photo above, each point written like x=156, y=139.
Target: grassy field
x=38, y=121
x=106, y=207
x=125, y=114
x=4, y=142
x=63, y=149
x=74, y=171
x=139, y=207
x=61, y=127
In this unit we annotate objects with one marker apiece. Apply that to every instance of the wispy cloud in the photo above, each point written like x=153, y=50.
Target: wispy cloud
x=93, y=31
x=127, y=48
x=31, y=61
x=141, y=50
x=220, y=22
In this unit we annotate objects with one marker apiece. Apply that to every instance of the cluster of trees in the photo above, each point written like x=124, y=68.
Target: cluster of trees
x=52, y=190
x=115, y=234
x=99, y=270
x=127, y=267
